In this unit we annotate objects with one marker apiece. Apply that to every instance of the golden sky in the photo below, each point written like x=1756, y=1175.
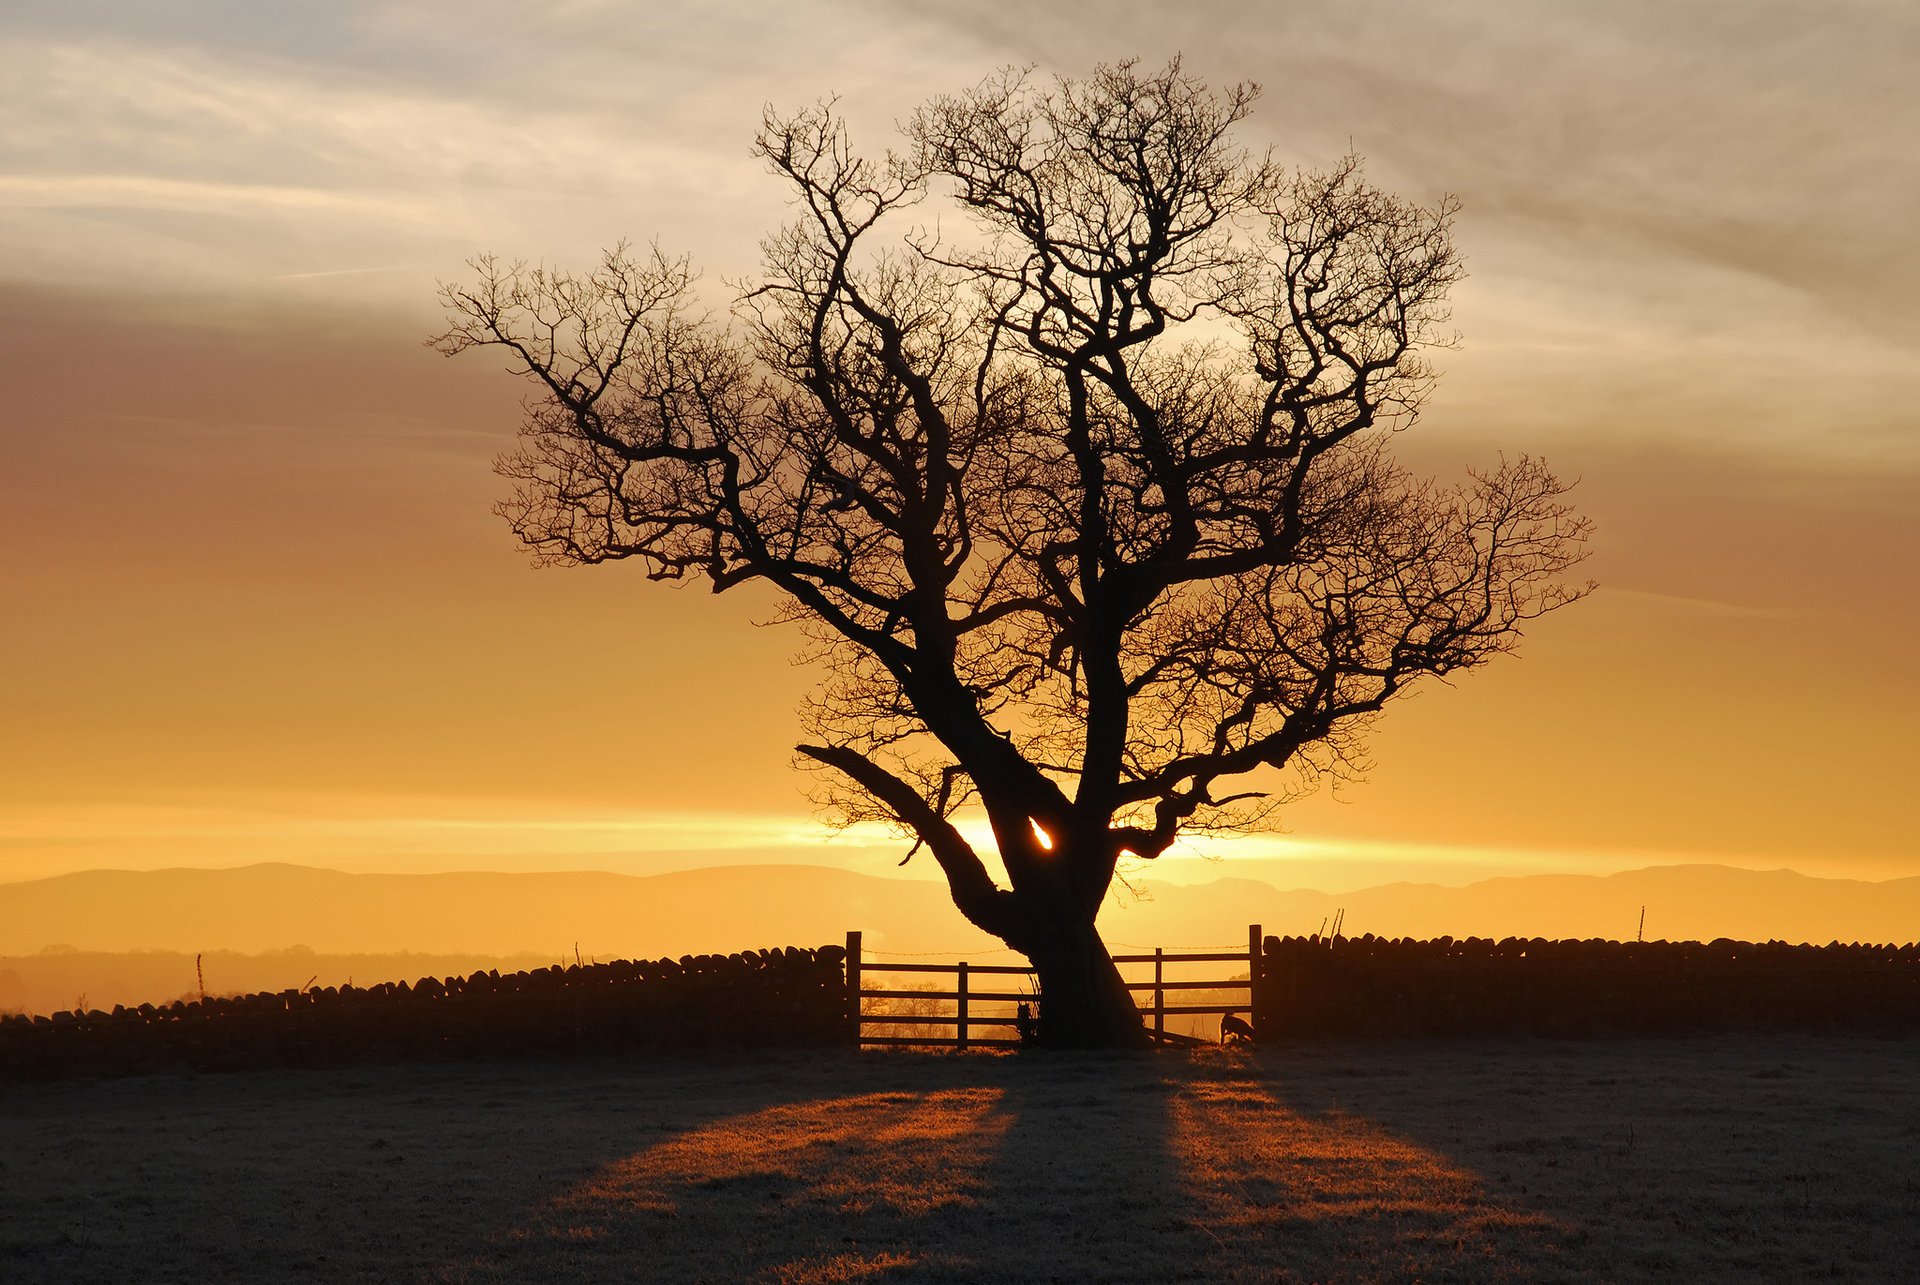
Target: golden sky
x=256, y=606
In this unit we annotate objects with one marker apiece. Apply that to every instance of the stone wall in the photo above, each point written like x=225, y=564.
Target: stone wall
x=762, y=998
x=1378, y=986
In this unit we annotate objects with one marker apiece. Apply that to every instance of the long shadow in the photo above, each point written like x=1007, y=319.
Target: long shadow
x=1111, y=1168
x=875, y=1171
x=1385, y=1161
x=1724, y=1157
x=1086, y=1184
x=1290, y=1190
x=925, y=1169
x=365, y=1172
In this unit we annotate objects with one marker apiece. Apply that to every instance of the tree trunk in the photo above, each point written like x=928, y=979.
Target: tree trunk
x=1083, y=1003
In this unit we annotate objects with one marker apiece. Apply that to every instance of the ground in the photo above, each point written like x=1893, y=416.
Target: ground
x=1703, y=1159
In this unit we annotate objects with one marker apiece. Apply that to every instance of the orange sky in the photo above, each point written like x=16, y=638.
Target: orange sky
x=257, y=606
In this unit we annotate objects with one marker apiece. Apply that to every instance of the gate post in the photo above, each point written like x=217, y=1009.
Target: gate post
x=853, y=986
x=1159, y=998
x=1256, y=969
x=962, y=997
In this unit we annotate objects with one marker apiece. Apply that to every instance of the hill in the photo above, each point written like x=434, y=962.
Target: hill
x=120, y=936
x=273, y=907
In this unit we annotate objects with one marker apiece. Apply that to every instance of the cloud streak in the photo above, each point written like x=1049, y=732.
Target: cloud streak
x=423, y=135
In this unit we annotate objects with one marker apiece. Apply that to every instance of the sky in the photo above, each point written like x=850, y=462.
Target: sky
x=256, y=605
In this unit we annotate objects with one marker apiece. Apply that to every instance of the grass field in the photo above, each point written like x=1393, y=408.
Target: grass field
x=1724, y=1158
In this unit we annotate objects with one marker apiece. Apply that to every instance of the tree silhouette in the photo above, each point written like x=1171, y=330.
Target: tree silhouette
x=1086, y=505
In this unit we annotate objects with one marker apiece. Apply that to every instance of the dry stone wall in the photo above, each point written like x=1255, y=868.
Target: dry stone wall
x=1380, y=986
x=763, y=998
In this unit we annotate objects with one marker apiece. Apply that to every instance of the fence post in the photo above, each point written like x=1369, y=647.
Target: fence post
x=853, y=985
x=962, y=1039
x=1256, y=966
x=1159, y=999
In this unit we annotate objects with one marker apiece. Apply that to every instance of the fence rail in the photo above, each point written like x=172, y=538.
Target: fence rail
x=964, y=1019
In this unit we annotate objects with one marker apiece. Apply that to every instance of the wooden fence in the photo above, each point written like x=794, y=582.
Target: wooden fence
x=967, y=993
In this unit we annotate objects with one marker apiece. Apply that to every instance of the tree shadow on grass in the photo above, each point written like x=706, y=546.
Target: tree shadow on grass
x=1297, y=1191
x=364, y=1172
x=1089, y=1167
x=1722, y=1157
x=930, y=1169
x=884, y=1179
x=1085, y=1184
x=1385, y=1161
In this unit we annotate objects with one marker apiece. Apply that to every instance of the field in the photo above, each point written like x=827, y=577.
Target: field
x=1703, y=1159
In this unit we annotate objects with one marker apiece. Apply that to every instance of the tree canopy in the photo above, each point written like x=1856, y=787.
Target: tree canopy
x=1085, y=500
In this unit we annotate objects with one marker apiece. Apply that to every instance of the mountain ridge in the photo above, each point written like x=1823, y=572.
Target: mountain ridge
x=274, y=905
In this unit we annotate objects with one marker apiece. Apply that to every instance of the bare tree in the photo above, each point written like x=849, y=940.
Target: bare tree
x=1087, y=507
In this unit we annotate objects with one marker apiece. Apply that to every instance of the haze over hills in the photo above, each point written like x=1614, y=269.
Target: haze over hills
x=273, y=907
x=119, y=936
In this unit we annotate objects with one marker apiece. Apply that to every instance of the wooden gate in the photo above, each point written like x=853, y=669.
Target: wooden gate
x=984, y=997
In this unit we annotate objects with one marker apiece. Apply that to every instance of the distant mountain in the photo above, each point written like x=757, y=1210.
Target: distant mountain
x=272, y=907
x=269, y=907
x=50, y=981
x=108, y=937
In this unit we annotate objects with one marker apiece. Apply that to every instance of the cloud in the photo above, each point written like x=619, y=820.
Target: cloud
x=1631, y=171
x=1691, y=202
x=421, y=134
x=133, y=192
x=1686, y=604
x=311, y=164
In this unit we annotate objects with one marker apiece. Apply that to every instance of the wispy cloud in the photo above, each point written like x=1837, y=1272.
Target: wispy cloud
x=422, y=135
x=140, y=192
x=400, y=833
x=1701, y=606
x=352, y=833
x=1683, y=220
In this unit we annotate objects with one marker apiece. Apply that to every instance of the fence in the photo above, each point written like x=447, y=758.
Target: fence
x=1295, y=986
x=1315, y=986
x=965, y=997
